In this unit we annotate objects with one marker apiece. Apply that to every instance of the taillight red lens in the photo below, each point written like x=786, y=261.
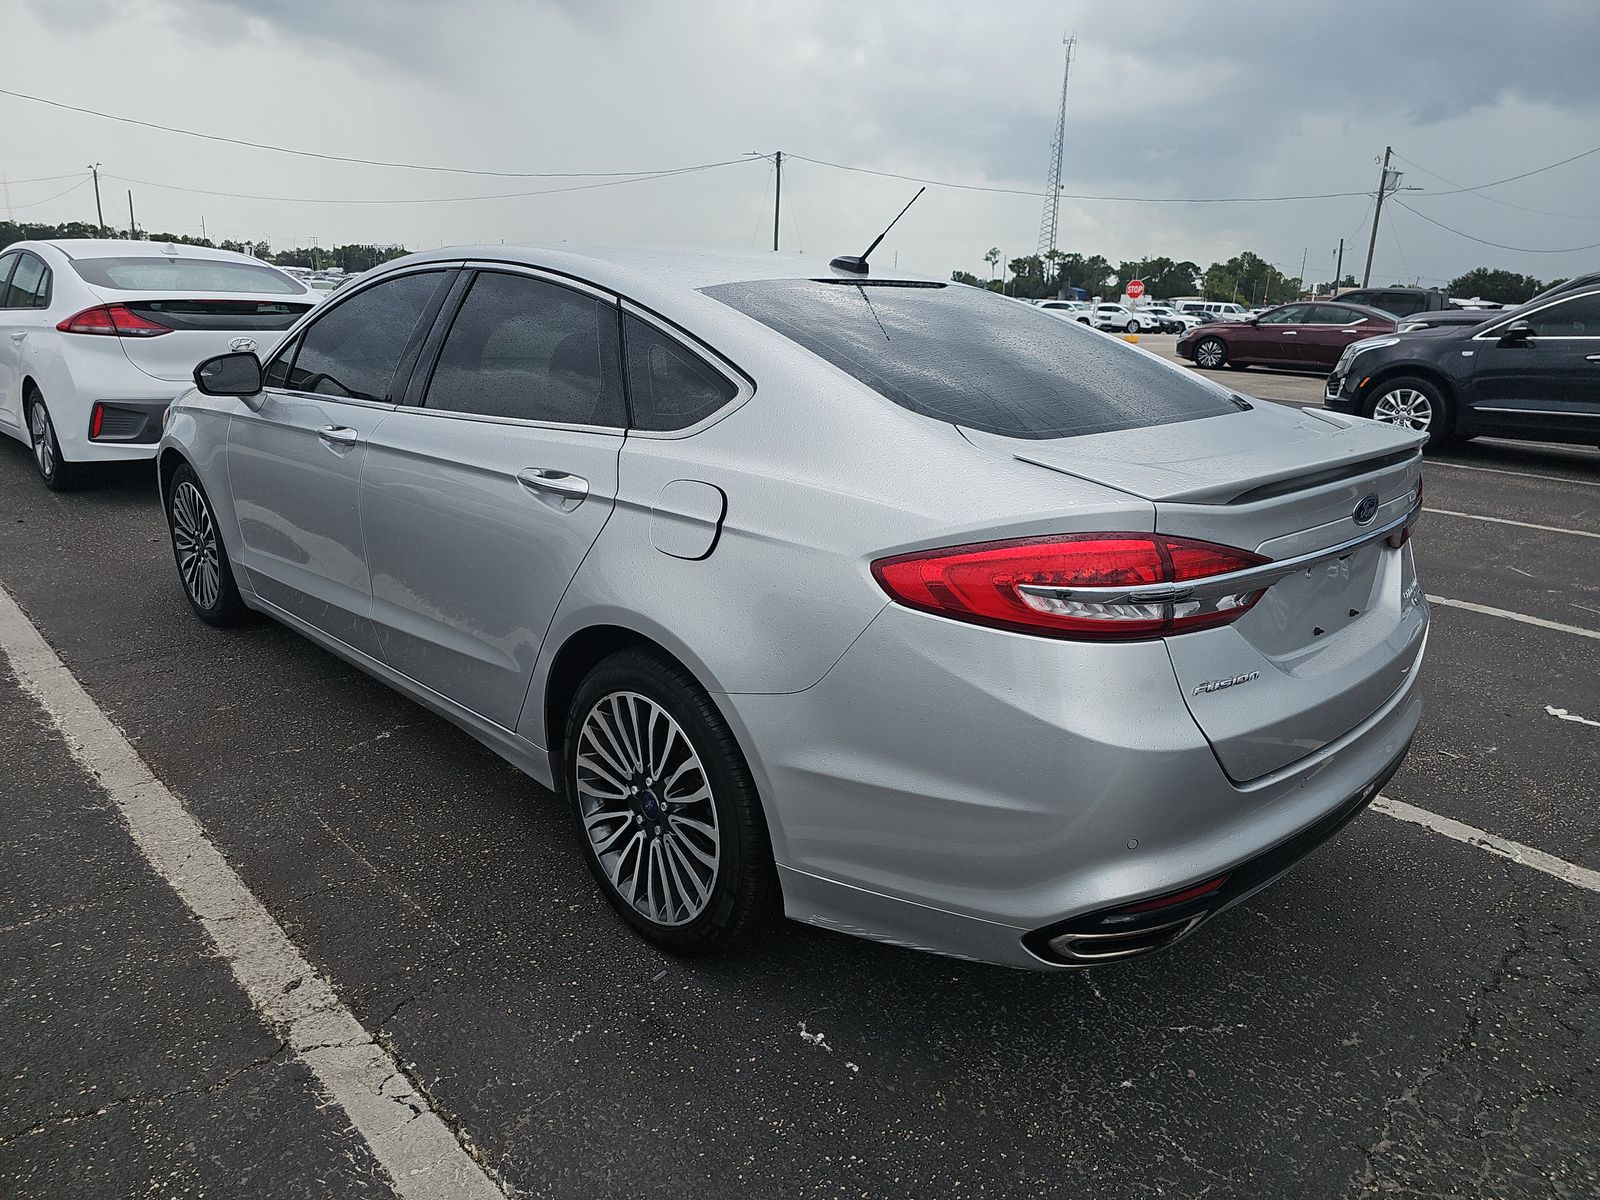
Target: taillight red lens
x=981, y=583
x=112, y=320
x=96, y=416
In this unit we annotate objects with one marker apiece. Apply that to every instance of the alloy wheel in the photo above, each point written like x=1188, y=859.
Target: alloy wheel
x=194, y=536
x=44, y=450
x=1209, y=353
x=645, y=800
x=1406, y=407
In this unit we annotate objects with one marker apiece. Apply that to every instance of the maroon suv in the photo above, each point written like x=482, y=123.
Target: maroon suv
x=1309, y=336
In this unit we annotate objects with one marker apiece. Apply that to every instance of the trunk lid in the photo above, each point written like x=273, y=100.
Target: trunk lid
x=203, y=326
x=1323, y=649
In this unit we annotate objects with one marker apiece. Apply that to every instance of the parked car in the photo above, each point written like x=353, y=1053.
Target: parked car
x=1168, y=320
x=1219, y=308
x=98, y=336
x=1119, y=318
x=1073, y=310
x=730, y=612
x=1532, y=372
x=1301, y=336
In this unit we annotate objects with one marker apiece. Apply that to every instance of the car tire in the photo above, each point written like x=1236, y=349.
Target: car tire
x=1083, y=320
x=1210, y=353
x=1131, y=327
x=56, y=472
x=690, y=868
x=203, y=566
x=1414, y=403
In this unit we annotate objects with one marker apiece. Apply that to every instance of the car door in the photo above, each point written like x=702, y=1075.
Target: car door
x=1272, y=338
x=24, y=304
x=295, y=457
x=1546, y=383
x=481, y=497
x=1328, y=329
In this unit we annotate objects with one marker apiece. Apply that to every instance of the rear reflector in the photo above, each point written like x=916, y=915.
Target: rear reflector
x=983, y=584
x=112, y=320
x=96, y=419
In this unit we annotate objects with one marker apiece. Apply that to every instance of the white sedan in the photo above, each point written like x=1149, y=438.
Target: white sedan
x=97, y=337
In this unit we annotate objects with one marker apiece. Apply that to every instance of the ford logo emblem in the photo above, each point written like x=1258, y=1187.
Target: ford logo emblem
x=1366, y=508
x=242, y=343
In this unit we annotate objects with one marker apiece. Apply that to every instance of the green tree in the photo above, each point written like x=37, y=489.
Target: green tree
x=1486, y=283
x=966, y=277
x=1247, y=278
x=1162, y=277
x=992, y=257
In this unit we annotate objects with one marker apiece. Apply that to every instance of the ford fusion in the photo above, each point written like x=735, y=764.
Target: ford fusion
x=888, y=604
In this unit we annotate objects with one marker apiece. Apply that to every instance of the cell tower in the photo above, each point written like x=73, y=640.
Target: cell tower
x=1052, y=204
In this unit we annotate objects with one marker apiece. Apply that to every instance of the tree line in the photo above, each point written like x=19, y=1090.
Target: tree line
x=350, y=258
x=1246, y=278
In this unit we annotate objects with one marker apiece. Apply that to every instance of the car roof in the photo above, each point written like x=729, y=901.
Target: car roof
x=631, y=269
x=111, y=248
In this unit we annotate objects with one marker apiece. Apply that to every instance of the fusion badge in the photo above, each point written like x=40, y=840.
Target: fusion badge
x=1218, y=685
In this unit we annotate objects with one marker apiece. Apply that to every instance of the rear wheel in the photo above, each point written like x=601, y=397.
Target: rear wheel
x=1210, y=353
x=1131, y=327
x=666, y=809
x=1414, y=403
x=57, y=473
x=202, y=560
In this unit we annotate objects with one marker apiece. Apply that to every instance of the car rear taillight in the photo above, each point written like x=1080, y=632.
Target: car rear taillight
x=1012, y=584
x=112, y=320
x=97, y=416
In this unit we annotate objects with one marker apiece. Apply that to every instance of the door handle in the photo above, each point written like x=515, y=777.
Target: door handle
x=1291, y=333
x=554, y=483
x=18, y=335
x=338, y=435
x=1592, y=358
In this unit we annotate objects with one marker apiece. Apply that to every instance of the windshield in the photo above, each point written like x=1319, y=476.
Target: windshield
x=975, y=359
x=149, y=273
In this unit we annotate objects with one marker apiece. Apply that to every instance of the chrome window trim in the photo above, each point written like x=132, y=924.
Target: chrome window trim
x=1493, y=334
x=355, y=401
x=744, y=386
x=1249, y=579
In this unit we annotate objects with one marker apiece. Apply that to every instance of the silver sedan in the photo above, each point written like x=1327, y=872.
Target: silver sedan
x=887, y=603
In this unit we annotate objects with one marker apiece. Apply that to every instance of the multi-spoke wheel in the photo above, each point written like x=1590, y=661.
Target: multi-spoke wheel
x=58, y=474
x=202, y=559
x=1412, y=403
x=1211, y=353
x=670, y=820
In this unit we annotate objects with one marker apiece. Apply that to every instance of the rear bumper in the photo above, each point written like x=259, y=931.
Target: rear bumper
x=974, y=792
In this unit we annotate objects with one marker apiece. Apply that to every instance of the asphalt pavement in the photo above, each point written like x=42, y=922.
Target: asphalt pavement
x=1407, y=1014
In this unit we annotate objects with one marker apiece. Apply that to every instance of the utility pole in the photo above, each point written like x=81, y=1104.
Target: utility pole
x=1338, y=272
x=98, y=211
x=203, y=236
x=133, y=228
x=777, y=196
x=1377, y=211
x=1303, y=254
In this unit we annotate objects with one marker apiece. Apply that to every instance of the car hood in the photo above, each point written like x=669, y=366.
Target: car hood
x=1212, y=460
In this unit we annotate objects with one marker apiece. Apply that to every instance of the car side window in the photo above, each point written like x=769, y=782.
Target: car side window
x=669, y=386
x=7, y=261
x=1575, y=318
x=532, y=350
x=1402, y=304
x=1333, y=314
x=30, y=284
x=354, y=349
x=1293, y=314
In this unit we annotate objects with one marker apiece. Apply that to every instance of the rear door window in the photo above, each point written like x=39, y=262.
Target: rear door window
x=354, y=349
x=30, y=284
x=1333, y=314
x=975, y=359
x=531, y=350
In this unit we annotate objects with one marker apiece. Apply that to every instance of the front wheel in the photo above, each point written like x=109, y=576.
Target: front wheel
x=203, y=565
x=1131, y=327
x=1413, y=403
x=1211, y=353
x=667, y=812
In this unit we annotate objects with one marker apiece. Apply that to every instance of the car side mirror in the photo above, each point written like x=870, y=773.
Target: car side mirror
x=236, y=374
x=1516, y=333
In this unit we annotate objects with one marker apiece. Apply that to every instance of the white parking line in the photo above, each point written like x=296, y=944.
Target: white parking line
x=1514, y=616
x=1446, y=512
x=421, y=1155
x=1434, y=462
x=1560, y=868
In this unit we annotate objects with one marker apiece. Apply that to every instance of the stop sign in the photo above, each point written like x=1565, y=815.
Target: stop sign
x=1135, y=288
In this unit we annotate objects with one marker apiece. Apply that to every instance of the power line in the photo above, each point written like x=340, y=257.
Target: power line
x=1543, y=212
x=1004, y=191
x=48, y=199
x=1511, y=178
x=581, y=187
x=1496, y=245
x=365, y=162
x=43, y=178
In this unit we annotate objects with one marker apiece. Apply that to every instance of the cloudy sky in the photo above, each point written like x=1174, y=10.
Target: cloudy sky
x=1168, y=101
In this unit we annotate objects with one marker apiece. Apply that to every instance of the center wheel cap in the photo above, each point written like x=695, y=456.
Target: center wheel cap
x=649, y=805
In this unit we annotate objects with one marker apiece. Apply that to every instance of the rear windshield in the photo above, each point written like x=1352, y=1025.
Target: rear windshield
x=975, y=359
x=163, y=274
